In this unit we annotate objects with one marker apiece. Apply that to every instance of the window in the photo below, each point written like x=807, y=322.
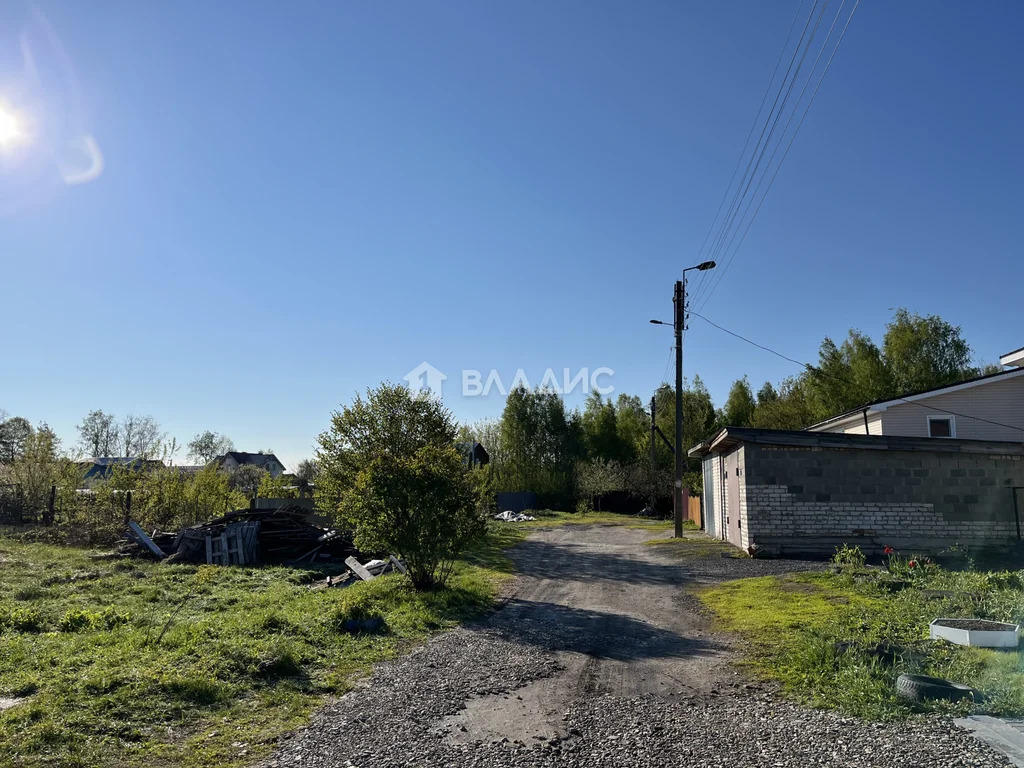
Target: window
x=941, y=426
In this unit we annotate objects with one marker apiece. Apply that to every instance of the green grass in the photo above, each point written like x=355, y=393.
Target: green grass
x=547, y=518
x=694, y=545
x=249, y=655
x=816, y=633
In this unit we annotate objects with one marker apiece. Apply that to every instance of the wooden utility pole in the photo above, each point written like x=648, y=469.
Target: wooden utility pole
x=678, y=324
x=679, y=304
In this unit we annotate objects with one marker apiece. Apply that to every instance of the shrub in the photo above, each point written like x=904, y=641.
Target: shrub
x=391, y=469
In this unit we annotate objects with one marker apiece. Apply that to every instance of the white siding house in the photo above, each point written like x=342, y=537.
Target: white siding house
x=986, y=408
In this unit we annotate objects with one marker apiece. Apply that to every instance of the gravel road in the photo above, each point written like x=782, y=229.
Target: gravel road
x=601, y=658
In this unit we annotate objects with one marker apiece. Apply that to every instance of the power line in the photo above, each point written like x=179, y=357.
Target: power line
x=744, y=338
x=750, y=133
x=741, y=199
x=817, y=371
x=736, y=197
x=721, y=273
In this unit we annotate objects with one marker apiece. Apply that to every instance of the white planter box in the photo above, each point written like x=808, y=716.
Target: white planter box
x=994, y=634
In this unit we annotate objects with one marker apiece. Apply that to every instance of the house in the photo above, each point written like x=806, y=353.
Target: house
x=232, y=460
x=985, y=408
x=101, y=467
x=783, y=491
x=474, y=454
x=922, y=472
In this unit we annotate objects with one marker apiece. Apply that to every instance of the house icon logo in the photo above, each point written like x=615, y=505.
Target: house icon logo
x=425, y=377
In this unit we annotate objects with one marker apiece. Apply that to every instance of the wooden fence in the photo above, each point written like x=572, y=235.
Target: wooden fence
x=693, y=510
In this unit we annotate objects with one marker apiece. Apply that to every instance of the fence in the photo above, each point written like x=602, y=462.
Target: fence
x=693, y=511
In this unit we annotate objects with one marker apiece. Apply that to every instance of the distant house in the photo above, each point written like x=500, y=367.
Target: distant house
x=474, y=454
x=232, y=460
x=985, y=408
x=100, y=467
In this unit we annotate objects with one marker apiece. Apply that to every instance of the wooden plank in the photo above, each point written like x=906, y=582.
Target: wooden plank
x=397, y=563
x=147, y=542
x=356, y=567
x=209, y=550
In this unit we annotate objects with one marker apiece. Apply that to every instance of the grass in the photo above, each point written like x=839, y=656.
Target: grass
x=694, y=545
x=547, y=518
x=839, y=640
x=247, y=654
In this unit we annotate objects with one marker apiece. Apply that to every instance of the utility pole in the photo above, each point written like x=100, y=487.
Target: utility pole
x=654, y=458
x=678, y=323
x=679, y=306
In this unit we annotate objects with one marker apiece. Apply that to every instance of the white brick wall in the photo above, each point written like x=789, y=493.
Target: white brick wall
x=781, y=522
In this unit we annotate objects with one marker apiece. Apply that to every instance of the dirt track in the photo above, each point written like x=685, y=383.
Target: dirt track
x=601, y=657
x=622, y=621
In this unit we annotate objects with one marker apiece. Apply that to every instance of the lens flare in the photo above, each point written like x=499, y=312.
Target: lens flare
x=10, y=130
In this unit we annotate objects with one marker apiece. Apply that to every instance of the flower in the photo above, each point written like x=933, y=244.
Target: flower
x=912, y=564
x=888, y=550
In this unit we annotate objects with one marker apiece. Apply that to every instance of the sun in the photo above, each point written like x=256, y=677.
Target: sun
x=10, y=130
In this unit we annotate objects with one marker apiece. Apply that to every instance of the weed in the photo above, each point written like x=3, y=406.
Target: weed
x=20, y=620
x=849, y=556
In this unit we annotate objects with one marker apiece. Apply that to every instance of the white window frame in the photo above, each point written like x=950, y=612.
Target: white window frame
x=942, y=417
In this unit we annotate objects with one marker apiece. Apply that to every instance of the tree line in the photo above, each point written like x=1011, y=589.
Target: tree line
x=917, y=353
x=574, y=456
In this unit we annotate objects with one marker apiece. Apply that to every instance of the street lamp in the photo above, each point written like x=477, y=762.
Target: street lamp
x=679, y=320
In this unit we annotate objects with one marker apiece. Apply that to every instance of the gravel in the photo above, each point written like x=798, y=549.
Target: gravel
x=411, y=711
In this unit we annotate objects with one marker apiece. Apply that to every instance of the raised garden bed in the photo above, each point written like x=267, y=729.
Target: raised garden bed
x=979, y=633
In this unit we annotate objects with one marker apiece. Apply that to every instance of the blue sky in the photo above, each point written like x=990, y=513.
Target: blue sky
x=300, y=200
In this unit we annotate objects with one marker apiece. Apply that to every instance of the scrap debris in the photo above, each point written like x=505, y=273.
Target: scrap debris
x=509, y=516
x=255, y=536
x=244, y=537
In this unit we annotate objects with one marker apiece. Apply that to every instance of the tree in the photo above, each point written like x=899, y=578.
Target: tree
x=390, y=469
x=600, y=429
x=390, y=422
x=739, y=407
x=847, y=376
x=139, y=436
x=766, y=394
x=539, y=446
x=276, y=488
x=39, y=467
x=788, y=410
x=247, y=478
x=633, y=423
x=307, y=470
x=598, y=477
x=14, y=432
x=924, y=352
x=207, y=446
x=98, y=434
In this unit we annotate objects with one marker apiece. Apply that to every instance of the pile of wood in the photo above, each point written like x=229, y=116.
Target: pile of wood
x=247, y=537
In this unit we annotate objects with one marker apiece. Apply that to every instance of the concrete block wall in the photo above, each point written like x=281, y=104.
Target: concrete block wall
x=812, y=499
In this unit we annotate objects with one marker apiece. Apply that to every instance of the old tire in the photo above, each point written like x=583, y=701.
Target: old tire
x=924, y=688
